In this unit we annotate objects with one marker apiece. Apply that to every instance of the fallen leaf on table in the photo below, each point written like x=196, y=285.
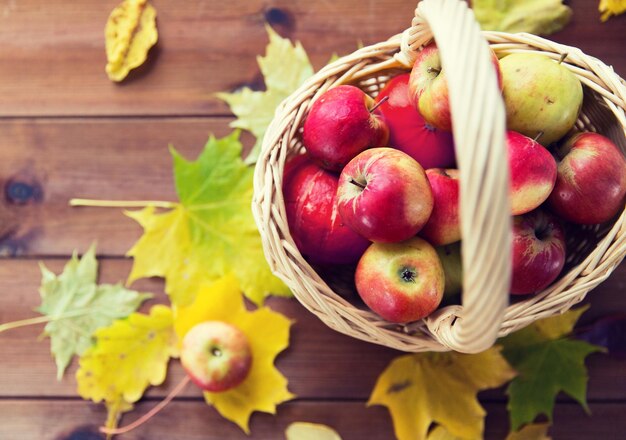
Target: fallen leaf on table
x=310, y=431
x=422, y=389
x=77, y=306
x=210, y=233
x=128, y=356
x=268, y=334
x=129, y=34
x=548, y=362
x=535, y=431
x=609, y=8
x=541, y=17
x=285, y=67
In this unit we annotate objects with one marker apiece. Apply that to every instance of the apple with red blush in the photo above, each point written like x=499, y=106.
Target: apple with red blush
x=591, y=182
x=310, y=195
x=216, y=355
x=428, y=86
x=409, y=132
x=538, y=251
x=384, y=195
x=342, y=123
x=443, y=226
x=401, y=282
x=532, y=172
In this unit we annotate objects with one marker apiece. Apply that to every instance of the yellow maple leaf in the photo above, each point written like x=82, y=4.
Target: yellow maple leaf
x=268, y=335
x=422, y=389
x=610, y=8
x=129, y=34
x=128, y=356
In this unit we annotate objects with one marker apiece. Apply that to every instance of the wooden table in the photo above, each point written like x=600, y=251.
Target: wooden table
x=67, y=131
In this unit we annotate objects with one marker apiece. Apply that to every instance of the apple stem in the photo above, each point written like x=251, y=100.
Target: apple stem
x=563, y=56
x=379, y=103
x=433, y=70
x=538, y=136
x=354, y=182
x=122, y=203
x=147, y=416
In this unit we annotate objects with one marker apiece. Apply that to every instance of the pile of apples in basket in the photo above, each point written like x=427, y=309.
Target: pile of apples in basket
x=378, y=186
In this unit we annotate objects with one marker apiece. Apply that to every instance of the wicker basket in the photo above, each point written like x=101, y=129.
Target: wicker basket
x=479, y=126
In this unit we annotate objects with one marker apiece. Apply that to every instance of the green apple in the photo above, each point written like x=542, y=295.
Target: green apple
x=542, y=97
x=450, y=257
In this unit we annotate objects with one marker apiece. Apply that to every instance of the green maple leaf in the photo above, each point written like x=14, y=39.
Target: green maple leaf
x=548, y=362
x=285, y=67
x=210, y=233
x=76, y=306
x=541, y=17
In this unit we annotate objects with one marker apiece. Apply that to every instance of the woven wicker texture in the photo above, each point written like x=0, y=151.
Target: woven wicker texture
x=479, y=126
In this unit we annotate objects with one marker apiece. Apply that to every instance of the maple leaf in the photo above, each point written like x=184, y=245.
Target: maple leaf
x=548, y=362
x=268, y=334
x=76, y=307
x=609, y=8
x=129, y=355
x=210, y=233
x=285, y=67
x=129, y=34
x=541, y=17
x=426, y=388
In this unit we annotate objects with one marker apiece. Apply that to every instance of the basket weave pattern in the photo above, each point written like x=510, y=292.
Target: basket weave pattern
x=479, y=127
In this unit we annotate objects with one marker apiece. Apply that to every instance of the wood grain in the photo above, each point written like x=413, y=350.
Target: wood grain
x=320, y=363
x=56, y=54
x=193, y=420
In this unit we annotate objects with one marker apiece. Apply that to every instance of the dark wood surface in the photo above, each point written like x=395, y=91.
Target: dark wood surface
x=67, y=131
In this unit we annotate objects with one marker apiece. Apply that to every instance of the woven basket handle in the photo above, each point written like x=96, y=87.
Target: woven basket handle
x=479, y=132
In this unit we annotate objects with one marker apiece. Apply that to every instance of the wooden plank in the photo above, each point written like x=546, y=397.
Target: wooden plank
x=191, y=420
x=319, y=364
x=56, y=54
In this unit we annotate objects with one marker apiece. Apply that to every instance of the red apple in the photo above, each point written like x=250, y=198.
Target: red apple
x=538, y=251
x=216, y=356
x=428, y=87
x=401, y=282
x=340, y=125
x=532, y=173
x=408, y=132
x=443, y=226
x=591, y=181
x=310, y=195
x=384, y=195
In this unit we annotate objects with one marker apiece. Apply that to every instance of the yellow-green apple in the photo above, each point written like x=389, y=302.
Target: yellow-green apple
x=216, y=356
x=428, y=87
x=532, y=172
x=342, y=123
x=310, y=195
x=538, y=251
x=591, y=181
x=542, y=97
x=443, y=226
x=409, y=132
x=384, y=195
x=450, y=256
x=401, y=282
